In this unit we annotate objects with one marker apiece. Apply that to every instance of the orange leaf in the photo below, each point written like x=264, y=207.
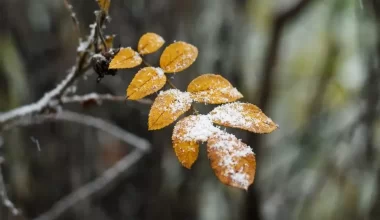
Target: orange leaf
x=233, y=161
x=213, y=89
x=150, y=43
x=244, y=116
x=194, y=128
x=187, y=132
x=104, y=5
x=146, y=81
x=187, y=152
x=125, y=58
x=178, y=56
x=167, y=107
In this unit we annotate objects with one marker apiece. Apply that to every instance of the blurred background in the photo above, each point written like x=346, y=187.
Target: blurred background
x=311, y=65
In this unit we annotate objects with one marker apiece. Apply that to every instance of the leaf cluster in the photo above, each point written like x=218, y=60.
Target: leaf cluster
x=232, y=160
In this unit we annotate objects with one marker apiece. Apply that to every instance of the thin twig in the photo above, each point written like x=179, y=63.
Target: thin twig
x=99, y=98
x=34, y=140
x=171, y=84
x=100, y=18
x=52, y=98
x=109, y=178
x=4, y=197
x=87, y=120
x=74, y=18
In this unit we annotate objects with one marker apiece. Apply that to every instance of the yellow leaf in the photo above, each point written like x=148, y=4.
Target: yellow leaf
x=187, y=152
x=146, y=81
x=167, y=107
x=213, y=89
x=150, y=43
x=104, y=5
x=194, y=128
x=233, y=161
x=178, y=56
x=125, y=58
x=244, y=116
x=187, y=132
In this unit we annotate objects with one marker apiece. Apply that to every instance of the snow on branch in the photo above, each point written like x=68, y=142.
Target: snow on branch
x=99, y=98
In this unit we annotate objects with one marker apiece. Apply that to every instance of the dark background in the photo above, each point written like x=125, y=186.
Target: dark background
x=310, y=65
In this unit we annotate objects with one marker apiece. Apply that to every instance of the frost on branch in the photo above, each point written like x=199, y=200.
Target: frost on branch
x=233, y=161
x=186, y=135
x=167, y=107
x=213, y=89
x=244, y=116
x=150, y=43
x=178, y=56
x=125, y=58
x=146, y=81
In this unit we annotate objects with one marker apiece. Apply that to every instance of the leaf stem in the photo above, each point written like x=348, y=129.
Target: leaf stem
x=168, y=82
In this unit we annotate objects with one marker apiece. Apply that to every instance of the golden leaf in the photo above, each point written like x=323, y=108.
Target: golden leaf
x=244, y=116
x=167, y=107
x=150, y=43
x=213, y=89
x=104, y=5
x=233, y=161
x=187, y=132
x=146, y=81
x=125, y=58
x=187, y=152
x=194, y=128
x=178, y=56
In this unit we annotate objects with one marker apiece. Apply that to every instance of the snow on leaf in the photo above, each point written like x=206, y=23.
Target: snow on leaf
x=186, y=152
x=213, y=89
x=244, y=116
x=146, y=81
x=167, y=107
x=187, y=132
x=125, y=58
x=150, y=43
x=178, y=56
x=104, y=5
x=233, y=161
x=194, y=128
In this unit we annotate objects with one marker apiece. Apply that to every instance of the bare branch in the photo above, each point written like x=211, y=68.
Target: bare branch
x=87, y=120
x=35, y=141
x=49, y=100
x=73, y=17
x=96, y=187
x=99, y=98
x=4, y=196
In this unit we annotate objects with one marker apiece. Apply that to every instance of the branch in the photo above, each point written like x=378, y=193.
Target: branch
x=271, y=59
x=4, y=196
x=87, y=120
x=51, y=98
x=73, y=15
x=270, y=62
x=99, y=98
x=94, y=188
